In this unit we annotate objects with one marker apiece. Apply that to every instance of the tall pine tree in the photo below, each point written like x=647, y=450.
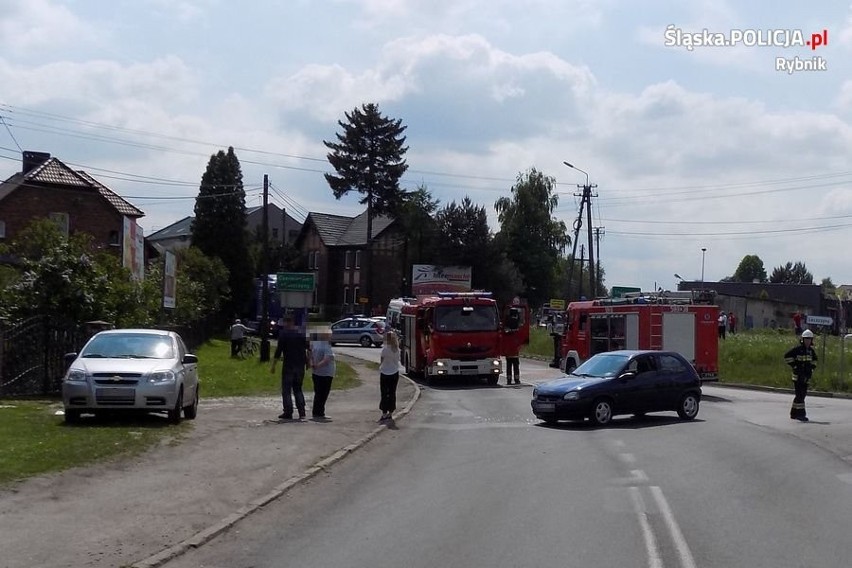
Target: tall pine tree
x=219, y=228
x=368, y=159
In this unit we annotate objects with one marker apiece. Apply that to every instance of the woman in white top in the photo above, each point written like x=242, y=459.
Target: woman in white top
x=388, y=375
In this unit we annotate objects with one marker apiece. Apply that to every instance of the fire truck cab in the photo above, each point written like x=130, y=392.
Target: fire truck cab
x=460, y=333
x=672, y=321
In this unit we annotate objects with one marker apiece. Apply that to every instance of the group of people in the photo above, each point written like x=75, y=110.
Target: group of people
x=727, y=323
x=299, y=354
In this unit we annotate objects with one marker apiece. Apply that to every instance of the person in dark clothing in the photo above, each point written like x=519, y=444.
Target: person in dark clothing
x=802, y=359
x=293, y=348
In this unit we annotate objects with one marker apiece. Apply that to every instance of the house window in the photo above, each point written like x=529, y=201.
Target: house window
x=113, y=239
x=347, y=263
x=356, y=295
x=345, y=295
x=357, y=259
x=275, y=233
x=2, y=229
x=62, y=222
x=316, y=260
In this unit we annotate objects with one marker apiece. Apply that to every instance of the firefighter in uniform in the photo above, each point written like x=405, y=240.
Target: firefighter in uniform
x=802, y=359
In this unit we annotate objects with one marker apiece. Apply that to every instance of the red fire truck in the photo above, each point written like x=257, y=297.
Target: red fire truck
x=672, y=321
x=460, y=333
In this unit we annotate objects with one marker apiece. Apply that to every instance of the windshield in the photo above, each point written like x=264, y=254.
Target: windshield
x=466, y=318
x=130, y=346
x=607, y=365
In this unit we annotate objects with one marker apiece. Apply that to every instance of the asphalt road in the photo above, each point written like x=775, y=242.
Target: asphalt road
x=470, y=478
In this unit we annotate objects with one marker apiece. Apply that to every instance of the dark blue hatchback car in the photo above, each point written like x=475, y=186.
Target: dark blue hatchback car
x=621, y=382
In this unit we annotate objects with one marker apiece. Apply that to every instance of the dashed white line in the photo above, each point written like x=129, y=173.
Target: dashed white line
x=686, y=559
x=651, y=548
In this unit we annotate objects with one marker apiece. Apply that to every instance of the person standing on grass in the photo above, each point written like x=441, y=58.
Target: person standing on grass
x=238, y=336
x=388, y=375
x=802, y=359
x=323, y=368
x=293, y=348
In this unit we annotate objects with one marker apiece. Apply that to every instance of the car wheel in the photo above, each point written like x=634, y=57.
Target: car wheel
x=688, y=407
x=601, y=412
x=174, y=413
x=72, y=416
x=366, y=341
x=191, y=411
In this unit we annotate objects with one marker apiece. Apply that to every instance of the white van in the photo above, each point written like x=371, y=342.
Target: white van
x=394, y=311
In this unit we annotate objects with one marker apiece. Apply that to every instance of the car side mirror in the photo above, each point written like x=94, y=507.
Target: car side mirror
x=69, y=358
x=189, y=359
x=627, y=375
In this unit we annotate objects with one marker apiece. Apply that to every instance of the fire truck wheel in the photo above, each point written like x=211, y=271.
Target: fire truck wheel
x=601, y=412
x=688, y=407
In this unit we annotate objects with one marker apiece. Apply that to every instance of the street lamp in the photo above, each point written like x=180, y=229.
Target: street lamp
x=703, y=251
x=579, y=170
x=678, y=276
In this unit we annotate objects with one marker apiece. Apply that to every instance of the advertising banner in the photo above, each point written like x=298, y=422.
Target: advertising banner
x=430, y=279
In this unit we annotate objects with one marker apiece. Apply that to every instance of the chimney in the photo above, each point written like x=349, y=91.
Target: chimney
x=32, y=160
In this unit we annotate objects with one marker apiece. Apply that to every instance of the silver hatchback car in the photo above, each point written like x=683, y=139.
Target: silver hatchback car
x=132, y=369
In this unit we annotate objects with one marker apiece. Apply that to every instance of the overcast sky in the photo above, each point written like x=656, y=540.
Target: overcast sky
x=710, y=147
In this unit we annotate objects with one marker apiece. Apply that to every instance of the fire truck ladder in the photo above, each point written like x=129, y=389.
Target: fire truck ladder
x=656, y=329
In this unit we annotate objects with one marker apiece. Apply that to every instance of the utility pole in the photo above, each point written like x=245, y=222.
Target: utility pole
x=264, y=321
x=582, y=260
x=585, y=202
x=598, y=232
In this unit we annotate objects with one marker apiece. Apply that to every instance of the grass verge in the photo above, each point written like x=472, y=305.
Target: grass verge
x=35, y=440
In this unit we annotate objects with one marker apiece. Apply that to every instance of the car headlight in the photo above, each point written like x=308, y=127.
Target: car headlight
x=496, y=362
x=573, y=395
x=167, y=376
x=76, y=376
x=535, y=392
x=439, y=363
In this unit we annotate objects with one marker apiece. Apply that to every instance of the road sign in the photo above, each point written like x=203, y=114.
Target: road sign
x=819, y=320
x=557, y=304
x=295, y=282
x=620, y=291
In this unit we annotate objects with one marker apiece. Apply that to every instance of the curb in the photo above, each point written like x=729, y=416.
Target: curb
x=211, y=532
x=783, y=390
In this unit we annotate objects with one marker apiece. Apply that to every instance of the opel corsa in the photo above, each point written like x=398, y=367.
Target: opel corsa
x=621, y=382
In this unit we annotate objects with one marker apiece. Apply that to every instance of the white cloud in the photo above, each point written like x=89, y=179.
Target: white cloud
x=28, y=25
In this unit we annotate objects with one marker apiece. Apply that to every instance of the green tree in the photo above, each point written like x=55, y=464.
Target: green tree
x=66, y=277
x=828, y=286
x=368, y=159
x=791, y=273
x=201, y=288
x=219, y=228
x=466, y=240
x=750, y=269
x=420, y=231
x=533, y=239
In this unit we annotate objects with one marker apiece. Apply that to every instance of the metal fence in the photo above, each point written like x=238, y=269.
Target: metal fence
x=32, y=354
x=32, y=351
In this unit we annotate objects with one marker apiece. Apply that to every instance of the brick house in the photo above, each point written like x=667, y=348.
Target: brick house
x=335, y=246
x=47, y=188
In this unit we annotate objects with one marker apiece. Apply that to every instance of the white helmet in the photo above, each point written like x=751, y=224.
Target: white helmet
x=807, y=334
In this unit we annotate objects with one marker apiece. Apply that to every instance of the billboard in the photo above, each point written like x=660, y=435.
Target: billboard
x=432, y=278
x=169, y=280
x=133, y=248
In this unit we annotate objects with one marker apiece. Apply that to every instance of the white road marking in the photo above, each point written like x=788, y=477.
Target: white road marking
x=627, y=458
x=651, y=548
x=686, y=559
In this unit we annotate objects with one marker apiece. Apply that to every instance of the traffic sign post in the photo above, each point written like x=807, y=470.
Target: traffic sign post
x=822, y=321
x=296, y=289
